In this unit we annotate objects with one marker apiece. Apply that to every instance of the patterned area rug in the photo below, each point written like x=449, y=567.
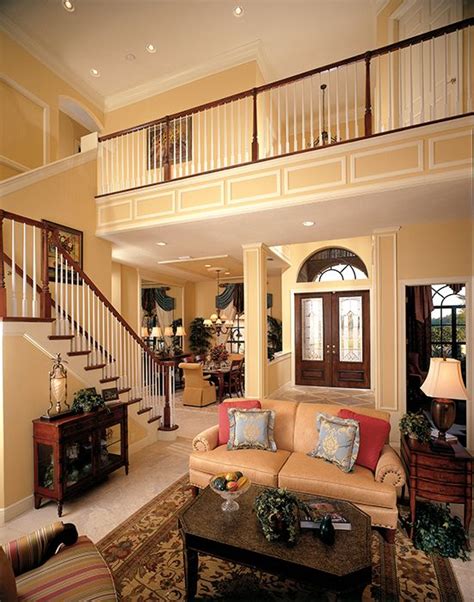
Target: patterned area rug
x=145, y=556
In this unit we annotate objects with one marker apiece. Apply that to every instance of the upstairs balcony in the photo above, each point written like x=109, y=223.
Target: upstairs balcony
x=421, y=81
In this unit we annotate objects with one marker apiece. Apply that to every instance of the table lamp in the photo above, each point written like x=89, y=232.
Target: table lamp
x=444, y=383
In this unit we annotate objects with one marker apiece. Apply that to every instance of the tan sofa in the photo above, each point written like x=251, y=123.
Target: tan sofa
x=291, y=467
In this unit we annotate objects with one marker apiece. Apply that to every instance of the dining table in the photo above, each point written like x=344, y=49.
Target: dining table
x=218, y=375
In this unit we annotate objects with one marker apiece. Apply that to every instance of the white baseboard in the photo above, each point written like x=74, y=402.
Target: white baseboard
x=14, y=510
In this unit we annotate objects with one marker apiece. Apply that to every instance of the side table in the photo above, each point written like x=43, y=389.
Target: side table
x=438, y=476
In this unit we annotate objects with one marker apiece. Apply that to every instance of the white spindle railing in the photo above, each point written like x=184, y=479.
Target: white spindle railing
x=80, y=311
x=408, y=83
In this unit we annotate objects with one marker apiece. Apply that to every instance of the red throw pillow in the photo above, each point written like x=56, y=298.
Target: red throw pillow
x=373, y=435
x=224, y=427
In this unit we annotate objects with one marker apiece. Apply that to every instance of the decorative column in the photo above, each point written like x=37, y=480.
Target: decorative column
x=386, y=318
x=255, y=310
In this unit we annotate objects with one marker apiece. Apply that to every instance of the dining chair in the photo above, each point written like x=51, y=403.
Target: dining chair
x=198, y=391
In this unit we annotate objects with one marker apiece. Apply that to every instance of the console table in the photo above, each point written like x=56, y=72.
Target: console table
x=438, y=476
x=75, y=452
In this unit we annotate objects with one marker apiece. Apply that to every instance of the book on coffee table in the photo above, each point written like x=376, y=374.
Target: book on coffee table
x=318, y=511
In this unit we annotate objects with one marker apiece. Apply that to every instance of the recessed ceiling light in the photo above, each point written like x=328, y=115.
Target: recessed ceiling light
x=130, y=56
x=207, y=265
x=238, y=11
x=308, y=224
x=161, y=244
x=69, y=6
x=94, y=72
x=185, y=257
x=226, y=273
x=151, y=48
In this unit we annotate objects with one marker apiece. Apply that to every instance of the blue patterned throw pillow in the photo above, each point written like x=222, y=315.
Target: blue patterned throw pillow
x=251, y=429
x=338, y=441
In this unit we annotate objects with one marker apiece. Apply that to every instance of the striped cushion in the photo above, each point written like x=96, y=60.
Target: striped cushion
x=76, y=573
x=28, y=551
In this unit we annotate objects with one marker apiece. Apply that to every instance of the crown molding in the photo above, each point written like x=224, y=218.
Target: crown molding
x=251, y=51
x=380, y=5
x=50, y=61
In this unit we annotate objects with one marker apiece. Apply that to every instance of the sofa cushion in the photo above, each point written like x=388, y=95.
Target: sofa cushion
x=76, y=573
x=259, y=466
x=373, y=434
x=243, y=404
x=338, y=441
x=314, y=475
x=285, y=412
x=251, y=429
x=305, y=435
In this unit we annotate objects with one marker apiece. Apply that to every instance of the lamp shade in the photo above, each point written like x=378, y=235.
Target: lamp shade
x=144, y=331
x=168, y=331
x=207, y=322
x=444, y=379
x=156, y=332
x=180, y=332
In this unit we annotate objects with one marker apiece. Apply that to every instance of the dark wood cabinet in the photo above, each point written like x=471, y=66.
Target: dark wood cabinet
x=438, y=476
x=73, y=453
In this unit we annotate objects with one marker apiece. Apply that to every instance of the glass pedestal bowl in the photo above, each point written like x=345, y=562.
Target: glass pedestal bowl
x=230, y=504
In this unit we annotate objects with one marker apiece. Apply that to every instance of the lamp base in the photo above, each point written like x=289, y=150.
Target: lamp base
x=441, y=445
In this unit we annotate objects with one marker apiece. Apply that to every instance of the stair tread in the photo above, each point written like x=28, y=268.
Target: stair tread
x=109, y=379
x=73, y=353
x=124, y=390
x=132, y=401
x=95, y=367
x=153, y=419
x=61, y=337
x=144, y=410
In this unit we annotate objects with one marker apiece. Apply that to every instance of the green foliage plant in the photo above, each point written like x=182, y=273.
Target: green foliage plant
x=200, y=337
x=417, y=425
x=278, y=513
x=87, y=400
x=437, y=531
x=274, y=336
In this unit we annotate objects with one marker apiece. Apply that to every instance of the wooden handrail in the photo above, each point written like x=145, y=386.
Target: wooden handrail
x=281, y=82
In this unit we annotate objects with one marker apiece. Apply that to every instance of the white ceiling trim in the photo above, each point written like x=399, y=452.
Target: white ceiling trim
x=252, y=51
x=51, y=62
x=380, y=5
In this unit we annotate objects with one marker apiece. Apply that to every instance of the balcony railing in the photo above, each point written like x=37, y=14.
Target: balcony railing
x=416, y=81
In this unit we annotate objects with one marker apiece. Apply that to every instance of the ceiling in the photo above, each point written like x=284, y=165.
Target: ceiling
x=354, y=215
x=287, y=36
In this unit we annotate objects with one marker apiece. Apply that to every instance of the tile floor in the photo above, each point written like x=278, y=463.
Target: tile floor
x=157, y=466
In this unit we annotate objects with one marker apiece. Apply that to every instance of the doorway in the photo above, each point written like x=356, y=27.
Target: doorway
x=332, y=339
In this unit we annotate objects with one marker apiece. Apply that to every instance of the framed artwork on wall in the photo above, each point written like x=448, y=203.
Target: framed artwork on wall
x=181, y=142
x=111, y=394
x=71, y=240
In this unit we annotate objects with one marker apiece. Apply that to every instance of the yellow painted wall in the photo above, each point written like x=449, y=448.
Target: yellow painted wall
x=19, y=65
x=278, y=373
x=274, y=287
x=201, y=91
x=69, y=132
x=23, y=400
x=68, y=198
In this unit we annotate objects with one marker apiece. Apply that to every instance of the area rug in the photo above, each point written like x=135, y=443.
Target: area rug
x=145, y=556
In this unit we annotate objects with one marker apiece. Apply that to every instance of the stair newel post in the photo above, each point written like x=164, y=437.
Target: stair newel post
x=368, y=101
x=166, y=161
x=45, y=295
x=3, y=290
x=166, y=423
x=255, y=126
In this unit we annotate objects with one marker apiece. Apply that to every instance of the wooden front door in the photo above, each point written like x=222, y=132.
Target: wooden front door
x=332, y=343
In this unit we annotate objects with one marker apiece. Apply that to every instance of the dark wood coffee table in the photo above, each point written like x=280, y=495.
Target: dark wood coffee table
x=344, y=568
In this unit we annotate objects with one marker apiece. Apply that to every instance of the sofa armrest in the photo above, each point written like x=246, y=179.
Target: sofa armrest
x=31, y=551
x=389, y=468
x=206, y=440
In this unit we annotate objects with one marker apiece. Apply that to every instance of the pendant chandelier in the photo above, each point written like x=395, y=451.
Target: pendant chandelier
x=324, y=139
x=217, y=322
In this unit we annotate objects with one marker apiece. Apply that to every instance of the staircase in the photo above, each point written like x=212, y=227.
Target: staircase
x=42, y=284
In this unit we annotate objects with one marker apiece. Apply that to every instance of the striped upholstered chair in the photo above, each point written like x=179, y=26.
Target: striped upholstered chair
x=37, y=570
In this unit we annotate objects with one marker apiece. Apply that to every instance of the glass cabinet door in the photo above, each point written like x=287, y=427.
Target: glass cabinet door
x=77, y=459
x=45, y=466
x=110, y=445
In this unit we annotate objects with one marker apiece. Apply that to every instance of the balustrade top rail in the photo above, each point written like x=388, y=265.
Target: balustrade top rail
x=435, y=33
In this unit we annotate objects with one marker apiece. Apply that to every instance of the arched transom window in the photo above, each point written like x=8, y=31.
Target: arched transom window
x=332, y=264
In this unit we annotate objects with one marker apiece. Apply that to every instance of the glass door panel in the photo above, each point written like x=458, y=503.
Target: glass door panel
x=313, y=337
x=45, y=466
x=111, y=445
x=78, y=460
x=350, y=329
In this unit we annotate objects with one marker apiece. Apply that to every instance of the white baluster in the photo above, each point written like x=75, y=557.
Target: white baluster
x=34, y=297
x=329, y=108
x=78, y=313
x=279, y=121
x=469, y=78
x=72, y=300
x=401, y=108
x=433, y=80
x=84, y=331
x=180, y=147
x=287, y=133
x=459, y=46
x=379, y=94
x=422, y=73
x=205, y=166
x=270, y=135
x=232, y=134
x=303, y=111
x=356, y=120
x=346, y=94
x=24, y=303
x=410, y=64
x=211, y=117
x=445, y=86
x=13, y=275
x=338, y=131
x=56, y=281
x=390, y=99
x=61, y=293
x=295, y=138
x=248, y=129
x=89, y=326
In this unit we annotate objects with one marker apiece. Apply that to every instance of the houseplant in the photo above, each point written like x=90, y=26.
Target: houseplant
x=199, y=337
x=219, y=354
x=274, y=336
x=278, y=513
x=87, y=400
x=416, y=426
